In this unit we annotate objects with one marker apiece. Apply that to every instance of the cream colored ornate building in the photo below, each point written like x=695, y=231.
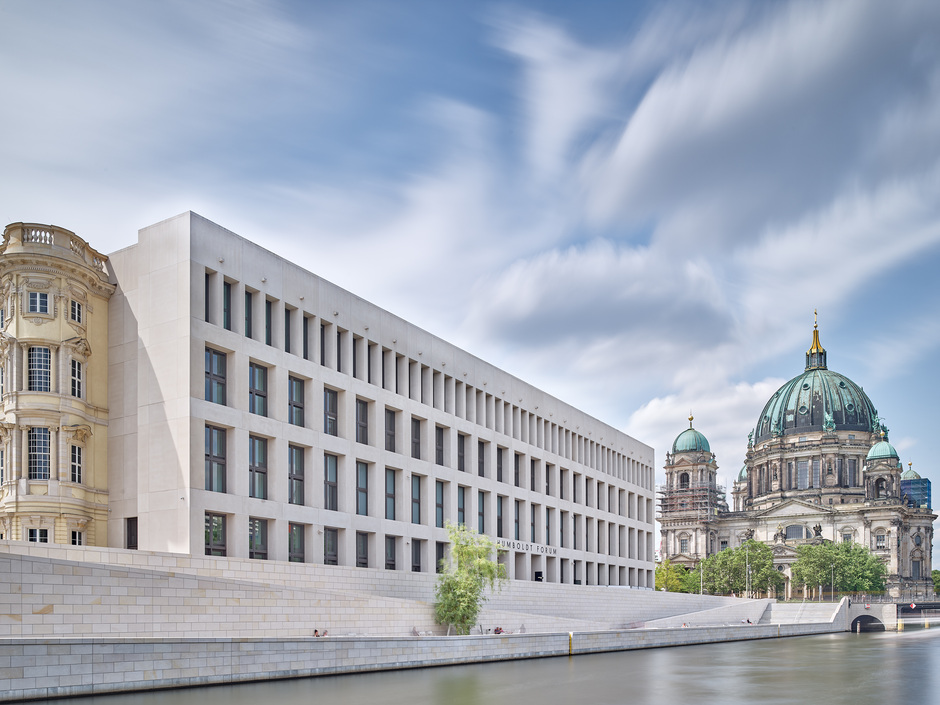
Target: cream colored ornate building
x=195, y=393
x=819, y=467
x=54, y=294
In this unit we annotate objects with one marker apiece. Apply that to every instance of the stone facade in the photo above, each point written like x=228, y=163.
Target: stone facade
x=237, y=405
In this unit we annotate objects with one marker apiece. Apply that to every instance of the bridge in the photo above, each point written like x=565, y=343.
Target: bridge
x=880, y=614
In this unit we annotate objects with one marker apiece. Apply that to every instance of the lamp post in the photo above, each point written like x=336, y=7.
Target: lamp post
x=832, y=582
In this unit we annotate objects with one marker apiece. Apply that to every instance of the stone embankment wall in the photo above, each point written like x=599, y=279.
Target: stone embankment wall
x=86, y=621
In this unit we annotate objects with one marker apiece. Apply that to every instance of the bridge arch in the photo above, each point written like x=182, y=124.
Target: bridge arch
x=867, y=623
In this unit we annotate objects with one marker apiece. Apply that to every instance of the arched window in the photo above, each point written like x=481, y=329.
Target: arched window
x=795, y=531
x=684, y=481
x=881, y=488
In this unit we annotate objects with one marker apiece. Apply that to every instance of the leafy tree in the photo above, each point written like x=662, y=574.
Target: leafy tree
x=473, y=567
x=671, y=577
x=729, y=570
x=847, y=567
x=936, y=580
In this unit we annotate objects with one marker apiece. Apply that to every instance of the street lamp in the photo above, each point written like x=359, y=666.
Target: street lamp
x=832, y=582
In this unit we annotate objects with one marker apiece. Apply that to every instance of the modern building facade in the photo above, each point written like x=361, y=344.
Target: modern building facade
x=819, y=467
x=249, y=408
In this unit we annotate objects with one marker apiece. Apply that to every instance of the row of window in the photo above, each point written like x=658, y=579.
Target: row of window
x=39, y=457
x=77, y=538
x=38, y=302
x=39, y=372
x=422, y=383
x=216, y=474
x=216, y=544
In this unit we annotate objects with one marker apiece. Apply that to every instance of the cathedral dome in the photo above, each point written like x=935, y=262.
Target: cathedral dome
x=910, y=474
x=690, y=441
x=742, y=476
x=817, y=400
x=882, y=450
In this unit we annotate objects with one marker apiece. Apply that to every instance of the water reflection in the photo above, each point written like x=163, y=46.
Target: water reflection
x=856, y=669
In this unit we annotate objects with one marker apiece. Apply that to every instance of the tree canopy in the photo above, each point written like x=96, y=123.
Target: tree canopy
x=848, y=567
x=671, y=577
x=472, y=568
x=727, y=571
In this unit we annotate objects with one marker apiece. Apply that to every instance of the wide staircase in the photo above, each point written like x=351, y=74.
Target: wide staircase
x=799, y=613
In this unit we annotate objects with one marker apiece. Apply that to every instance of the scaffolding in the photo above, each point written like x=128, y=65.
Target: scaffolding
x=916, y=492
x=698, y=501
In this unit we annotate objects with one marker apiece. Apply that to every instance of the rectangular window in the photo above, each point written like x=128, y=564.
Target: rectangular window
x=362, y=549
x=499, y=516
x=416, y=438
x=852, y=477
x=257, y=389
x=268, y=323
x=3, y=467
x=295, y=474
x=287, y=317
x=439, y=445
x=330, y=414
x=481, y=458
x=562, y=516
x=390, y=430
x=389, y=494
x=39, y=302
x=439, y=548
x=575, y=523
x=461, y=446
x=78, y=538
x=390, y=547
x=802, y=474
x=305, y=333
x=249, y=316
x=257, y=467
x=40, y=369
x=439, y=504
x=76, y=464
x=75, y=311
x=481, y=503
x=215, y=376
x=330, y=546
x=516, y=460
x=215, y=534
x=532, y=484
x=499, y=464
x=362, y=421
x=816, y=477
x=130, y=533
x=257, y=538
x=532, y=523
x=226, y=305
x=683, y=545
x=416, y=555
x=295, y=543
x=339, y=351
x=415, y=499
x=362, y=489
x=330, y=494
x=39, y=450
x=295, y=401
x=38, y=535
x=323, y=344
x=880, y=541
x=722, y=544
x=208, y=280
x=516, y=509
x=215, y=459
x=846, y=538
x=461, y=505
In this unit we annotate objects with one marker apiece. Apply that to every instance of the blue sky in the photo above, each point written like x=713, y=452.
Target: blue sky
x=636, y=207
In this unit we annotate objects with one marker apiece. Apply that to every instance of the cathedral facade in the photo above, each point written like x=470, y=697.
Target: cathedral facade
x=819, y=467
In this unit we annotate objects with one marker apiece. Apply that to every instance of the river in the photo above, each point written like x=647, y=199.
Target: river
x=857, y=669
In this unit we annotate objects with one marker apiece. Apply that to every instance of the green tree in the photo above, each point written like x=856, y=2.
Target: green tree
x=846, y=567
x=473, y=567
x=671, y=577
x=936, y=580
x=736, y=569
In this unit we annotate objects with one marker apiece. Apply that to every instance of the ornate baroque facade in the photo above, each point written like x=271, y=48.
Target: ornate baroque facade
x=819, y=467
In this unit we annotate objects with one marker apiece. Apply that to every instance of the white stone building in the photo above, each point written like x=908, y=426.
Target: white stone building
x=258, y=411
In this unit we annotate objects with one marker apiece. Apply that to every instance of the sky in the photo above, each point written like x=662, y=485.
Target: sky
x=636, y=207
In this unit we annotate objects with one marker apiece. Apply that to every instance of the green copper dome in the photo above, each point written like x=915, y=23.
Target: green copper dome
x=742, y=476
x=690, y=441
x=910, y=474
x=881, y=451
x=817, y=400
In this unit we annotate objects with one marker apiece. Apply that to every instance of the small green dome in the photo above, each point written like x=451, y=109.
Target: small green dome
x=881, y=451
x=742, y=476
x=910, y=474
x=690, y=441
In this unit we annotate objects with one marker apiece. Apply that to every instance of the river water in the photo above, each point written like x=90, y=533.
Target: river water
x=858, y=669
